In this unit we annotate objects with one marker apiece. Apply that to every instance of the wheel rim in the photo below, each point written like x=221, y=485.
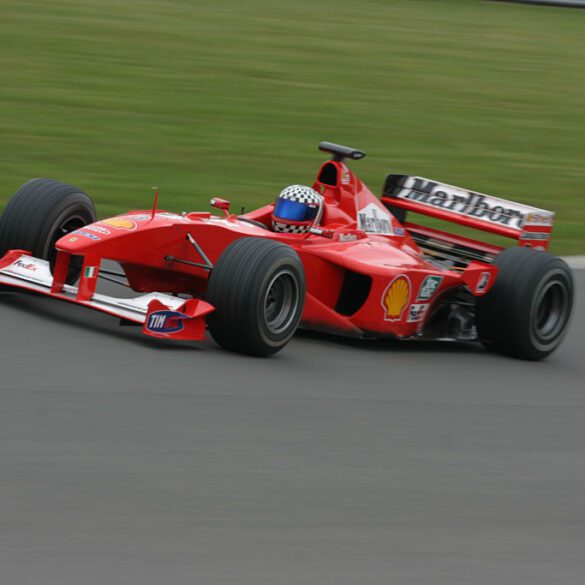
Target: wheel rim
x=551, y=310
x=281, y=302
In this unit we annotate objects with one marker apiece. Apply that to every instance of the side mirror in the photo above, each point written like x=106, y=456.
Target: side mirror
x=219, y=203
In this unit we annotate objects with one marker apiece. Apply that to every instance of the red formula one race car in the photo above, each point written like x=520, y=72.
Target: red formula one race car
x=331, y=257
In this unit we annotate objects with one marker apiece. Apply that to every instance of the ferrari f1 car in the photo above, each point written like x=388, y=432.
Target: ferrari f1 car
x=362, y=270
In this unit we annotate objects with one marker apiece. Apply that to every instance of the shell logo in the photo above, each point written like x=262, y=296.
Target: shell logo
x=396, y=298
x=120, y=223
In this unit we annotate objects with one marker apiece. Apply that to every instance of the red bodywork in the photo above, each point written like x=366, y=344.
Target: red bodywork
x=366, y=276
x=358, y=283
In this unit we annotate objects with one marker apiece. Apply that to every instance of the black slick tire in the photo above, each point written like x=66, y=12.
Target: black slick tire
x=258, y=290
x=526, y=313
x=41, y=212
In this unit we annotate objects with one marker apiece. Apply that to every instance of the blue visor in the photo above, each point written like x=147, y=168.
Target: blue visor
x=294, y=211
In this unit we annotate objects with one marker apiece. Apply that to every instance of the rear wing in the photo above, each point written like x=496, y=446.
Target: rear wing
x=531, y=226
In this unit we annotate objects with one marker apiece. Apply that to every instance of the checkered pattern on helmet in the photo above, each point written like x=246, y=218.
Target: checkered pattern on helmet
x=298, y=194
x=301, y=194
x=289, y=229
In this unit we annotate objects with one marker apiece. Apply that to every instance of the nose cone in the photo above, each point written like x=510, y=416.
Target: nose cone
x=80, y=239
x=95, y=233
x=112, y=228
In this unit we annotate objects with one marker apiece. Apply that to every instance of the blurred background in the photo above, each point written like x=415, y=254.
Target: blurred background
x=231, y=98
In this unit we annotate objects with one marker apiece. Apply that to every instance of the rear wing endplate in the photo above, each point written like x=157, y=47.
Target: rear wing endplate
x=531, y=226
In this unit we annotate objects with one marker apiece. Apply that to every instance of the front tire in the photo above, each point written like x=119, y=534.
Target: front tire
x=41, y=212
x=527, y=311
x=258, y=290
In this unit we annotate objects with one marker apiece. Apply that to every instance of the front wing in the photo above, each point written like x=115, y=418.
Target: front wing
x=160, y=315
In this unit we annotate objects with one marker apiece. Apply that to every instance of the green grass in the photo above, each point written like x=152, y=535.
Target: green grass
x=231, y=97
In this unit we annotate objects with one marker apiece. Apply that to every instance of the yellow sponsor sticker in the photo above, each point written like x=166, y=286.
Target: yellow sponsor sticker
x=396, y=298
x=120, y=223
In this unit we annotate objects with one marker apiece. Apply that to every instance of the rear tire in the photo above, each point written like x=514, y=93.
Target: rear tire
x=41, y=212
x=258, y=290
x=527, y=311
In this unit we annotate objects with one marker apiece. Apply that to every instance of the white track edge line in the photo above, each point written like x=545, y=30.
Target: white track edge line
x=575, y=261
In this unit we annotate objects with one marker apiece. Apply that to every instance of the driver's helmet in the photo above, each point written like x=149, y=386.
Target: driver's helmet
x=297, y=208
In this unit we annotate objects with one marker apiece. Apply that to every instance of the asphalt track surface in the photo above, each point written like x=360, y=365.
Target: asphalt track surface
x=124, y=460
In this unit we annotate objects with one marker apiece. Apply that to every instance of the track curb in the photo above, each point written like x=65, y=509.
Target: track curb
x=557, y=3
x=575, y=261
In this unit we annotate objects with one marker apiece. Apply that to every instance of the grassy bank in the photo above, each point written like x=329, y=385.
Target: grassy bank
x=231, y=97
